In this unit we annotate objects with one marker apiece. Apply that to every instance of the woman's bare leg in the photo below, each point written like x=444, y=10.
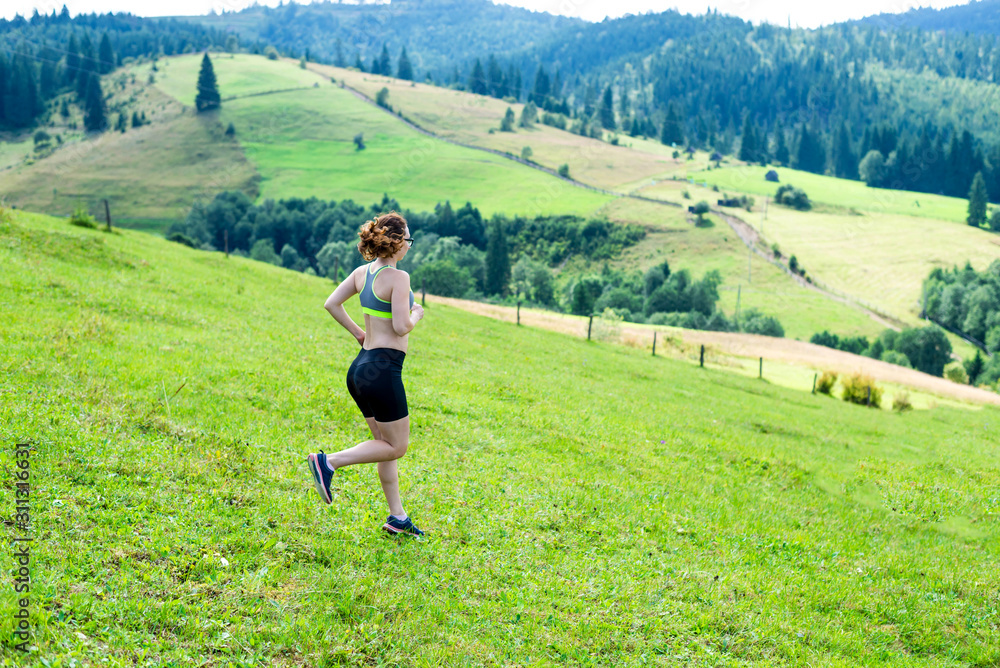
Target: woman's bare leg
x=388, y=475
x=395, y=439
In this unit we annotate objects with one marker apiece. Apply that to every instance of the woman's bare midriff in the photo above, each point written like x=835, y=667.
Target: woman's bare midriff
x=378, y=331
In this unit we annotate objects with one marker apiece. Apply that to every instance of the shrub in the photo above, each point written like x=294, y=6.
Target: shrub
x=81, y=218
x=271, y=53
x=685, y=194
x=897, y=358
x=564, y=171
x=382, y=99
x=825, y=383
x=793, y=197
x=856, y=390
x=180, y=238
x=230, y=130
x=507, y=122
x=901, y=402
x=956, y=373
x=771, y=176
x=526, y=153
x=995, y=221
x=755, y=322
x=359, y=141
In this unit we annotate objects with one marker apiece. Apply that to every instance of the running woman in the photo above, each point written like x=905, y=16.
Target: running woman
x=375, y=378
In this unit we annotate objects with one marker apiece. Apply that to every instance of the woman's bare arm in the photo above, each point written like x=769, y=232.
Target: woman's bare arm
x=403, y=321
x=335, y=305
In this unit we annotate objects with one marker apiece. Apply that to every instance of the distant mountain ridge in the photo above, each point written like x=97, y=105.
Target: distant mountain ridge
x=438, y=34
x=980, y=17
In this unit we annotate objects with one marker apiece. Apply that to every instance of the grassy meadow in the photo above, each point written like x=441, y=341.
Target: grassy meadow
x=879, y=258
x=839, y=193
x=584, y=503
x=756, y=283
x=469, y=118
x=302, y=144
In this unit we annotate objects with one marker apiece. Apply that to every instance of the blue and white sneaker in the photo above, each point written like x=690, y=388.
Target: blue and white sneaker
x=321, y=475
x=394, y=526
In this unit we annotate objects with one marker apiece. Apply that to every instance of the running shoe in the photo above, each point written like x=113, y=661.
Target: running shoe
x=394, y=526
x=321, y=475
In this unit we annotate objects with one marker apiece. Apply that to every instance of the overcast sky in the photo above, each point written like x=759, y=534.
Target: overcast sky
x=807, y=14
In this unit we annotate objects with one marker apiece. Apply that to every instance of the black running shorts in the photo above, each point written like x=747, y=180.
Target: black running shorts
x=375, y=381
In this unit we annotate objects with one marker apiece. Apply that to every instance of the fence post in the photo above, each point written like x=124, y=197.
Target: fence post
x=760, y=372
x=519, y=312
x=868, y=399
x=225, y=236
x=654, y=344
x=589, y=325
x=701, y=361
x=107, y=214
x=815, y=375
x=423, y=291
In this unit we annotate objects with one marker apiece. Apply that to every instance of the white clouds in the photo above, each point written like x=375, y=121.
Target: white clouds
x=804, y=14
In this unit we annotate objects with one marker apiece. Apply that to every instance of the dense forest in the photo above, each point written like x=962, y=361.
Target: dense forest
x=44, y=56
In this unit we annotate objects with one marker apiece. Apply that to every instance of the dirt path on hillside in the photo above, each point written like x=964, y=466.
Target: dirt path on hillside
x=749, y=346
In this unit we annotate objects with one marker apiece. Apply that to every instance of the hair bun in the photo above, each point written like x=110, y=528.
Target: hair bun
x=382, y=236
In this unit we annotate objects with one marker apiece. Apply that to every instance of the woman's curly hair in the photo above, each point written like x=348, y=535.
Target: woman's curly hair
x=383, y=236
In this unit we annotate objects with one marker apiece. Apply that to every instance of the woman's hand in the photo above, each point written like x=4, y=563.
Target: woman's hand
x=361, y=338
x=417, y=313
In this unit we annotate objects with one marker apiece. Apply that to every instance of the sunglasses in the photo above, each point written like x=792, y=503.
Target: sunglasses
x=409, y=241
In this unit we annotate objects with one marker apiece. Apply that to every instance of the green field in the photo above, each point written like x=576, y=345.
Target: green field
x=841, y=193
x=584, y=503
x=475, y=120
x=755, y=282
x=302, y=144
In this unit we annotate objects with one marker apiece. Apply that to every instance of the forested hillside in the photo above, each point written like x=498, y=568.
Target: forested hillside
x=820, y=100
x=438, y=34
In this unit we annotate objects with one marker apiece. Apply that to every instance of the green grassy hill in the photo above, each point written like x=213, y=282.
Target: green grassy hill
x=302, y=143
x=584, y=503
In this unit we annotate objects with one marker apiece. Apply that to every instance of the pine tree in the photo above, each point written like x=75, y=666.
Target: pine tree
x=811, y=156
x=338, y=59
x=384, y=62
x=672, y=133
x=540, y=91
x=358, y=63
x=781, y=154
x=497, y=259
x=95, y=114
x=23, y=102
x=405, y=69
x=977, y=201
x=88, y=65
x=477, y=81
x=507, y=124
x=72, y=61
x=208, y=89
x=376, y=67
x=748, y=141
x=106, y=56
x=607, y=110
x=845, y=162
